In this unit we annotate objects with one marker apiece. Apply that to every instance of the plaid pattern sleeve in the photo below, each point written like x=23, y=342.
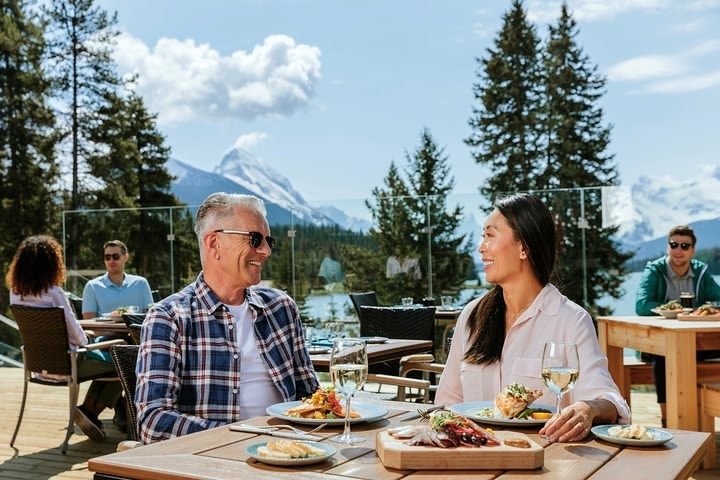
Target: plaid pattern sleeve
x=188, y=372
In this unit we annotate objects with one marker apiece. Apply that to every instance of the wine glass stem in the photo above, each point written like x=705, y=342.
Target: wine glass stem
x=346, y=430
x=559, y=403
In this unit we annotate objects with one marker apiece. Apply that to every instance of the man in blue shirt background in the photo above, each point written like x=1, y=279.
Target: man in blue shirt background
x=115, y=288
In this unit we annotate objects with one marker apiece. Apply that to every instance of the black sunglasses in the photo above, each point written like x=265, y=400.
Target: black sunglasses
x=256, y=238
x=114, y=256
x=684, y=246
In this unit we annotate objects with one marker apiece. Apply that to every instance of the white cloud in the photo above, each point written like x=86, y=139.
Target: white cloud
x=647, y=67
x=248, y=140
x=183, y=80
x=684, y=84
x=650, y=67
x=703, y=4
x=544, y=11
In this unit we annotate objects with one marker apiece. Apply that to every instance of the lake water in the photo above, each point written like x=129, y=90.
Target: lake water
x=319, y=306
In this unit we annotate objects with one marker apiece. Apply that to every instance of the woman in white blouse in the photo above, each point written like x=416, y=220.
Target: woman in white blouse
x=34, y=279
x=499, y=338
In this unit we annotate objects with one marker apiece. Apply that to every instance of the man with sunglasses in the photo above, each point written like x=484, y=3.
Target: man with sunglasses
x=225, y=347
x=115, y=289
x=663, y=280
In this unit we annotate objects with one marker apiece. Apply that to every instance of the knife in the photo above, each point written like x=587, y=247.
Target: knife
x=417, y=414
x=275, y=433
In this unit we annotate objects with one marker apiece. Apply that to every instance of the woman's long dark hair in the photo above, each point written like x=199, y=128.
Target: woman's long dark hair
x=532, y=224
x=37, y=266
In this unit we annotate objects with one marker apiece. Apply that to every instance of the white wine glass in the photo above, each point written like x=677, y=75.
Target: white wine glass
x=560, y=368
x=348, y=372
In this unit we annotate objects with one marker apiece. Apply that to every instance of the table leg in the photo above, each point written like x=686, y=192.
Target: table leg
x=614, y=356
x=681, y=380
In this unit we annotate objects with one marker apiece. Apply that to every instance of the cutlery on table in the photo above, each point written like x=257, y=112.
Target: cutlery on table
x=276, y=431
x=422, y=413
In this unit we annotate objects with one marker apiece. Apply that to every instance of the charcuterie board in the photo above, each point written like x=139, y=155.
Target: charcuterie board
x=396, y=453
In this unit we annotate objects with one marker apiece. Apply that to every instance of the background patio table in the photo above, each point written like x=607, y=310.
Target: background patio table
x=678, y=341
x=393, y=349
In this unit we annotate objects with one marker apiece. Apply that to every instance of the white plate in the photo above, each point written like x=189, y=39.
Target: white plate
x=368, y=413
x=104, y=319
x=370, y=340
x=317, y=350
x=661, y=436
x=472, y=410
x=252, y=450
x=670, y=314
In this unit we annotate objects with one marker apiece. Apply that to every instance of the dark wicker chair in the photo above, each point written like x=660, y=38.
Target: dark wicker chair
x=46, y=349
x=368, y=299
x=125, y=358
x=408, y=323
x=134, y=332
x=134, y=321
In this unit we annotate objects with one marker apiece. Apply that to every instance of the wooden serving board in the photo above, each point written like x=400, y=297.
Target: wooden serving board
x=696, y=318
x=395, y=453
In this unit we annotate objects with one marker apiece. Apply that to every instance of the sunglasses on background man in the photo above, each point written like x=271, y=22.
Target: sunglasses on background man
x=683, y=245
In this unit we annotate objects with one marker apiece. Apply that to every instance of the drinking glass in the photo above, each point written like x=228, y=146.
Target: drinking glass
x=407, y=301
x=348, y=372
x=560, y=368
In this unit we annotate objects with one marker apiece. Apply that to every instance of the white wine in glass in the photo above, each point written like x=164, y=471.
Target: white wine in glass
x=560, y=368
x=348, y=372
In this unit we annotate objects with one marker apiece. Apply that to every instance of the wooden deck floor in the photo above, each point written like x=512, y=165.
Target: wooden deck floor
x=36, y=455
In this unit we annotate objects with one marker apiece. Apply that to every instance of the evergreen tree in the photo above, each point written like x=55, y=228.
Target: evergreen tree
x=430, y=182
x=504, y=134
x=80, y=40
x=576, y=146
x=127, y=164
x=404, y=212
x=28, y=168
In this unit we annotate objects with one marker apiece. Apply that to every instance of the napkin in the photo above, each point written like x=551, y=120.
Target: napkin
x=275, y=433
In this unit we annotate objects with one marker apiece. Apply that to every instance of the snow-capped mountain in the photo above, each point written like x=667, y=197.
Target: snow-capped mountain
x=344, y=220
x=647, y=210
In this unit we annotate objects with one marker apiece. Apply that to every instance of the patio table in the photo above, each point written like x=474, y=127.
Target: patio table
x=220, y=454
x=392, y=349
x=678, y=341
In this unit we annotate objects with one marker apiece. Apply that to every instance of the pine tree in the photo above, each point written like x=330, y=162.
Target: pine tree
x=80, y=40
x=430, y=182
x=509, y=93
x=127, y=164
x=576, y=156
x=404, y=211
x=28, y=167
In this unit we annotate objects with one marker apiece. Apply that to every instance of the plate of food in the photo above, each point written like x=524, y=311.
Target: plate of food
x=290, y=453
x=513, y=406
x=669, y=310
x=370, y=340
x=326, y=406
x=703, y=312
x=634, y=435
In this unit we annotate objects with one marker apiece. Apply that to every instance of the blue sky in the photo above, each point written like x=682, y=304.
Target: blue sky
x=329, y=93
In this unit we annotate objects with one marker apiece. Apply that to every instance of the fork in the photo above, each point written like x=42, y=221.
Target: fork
x=271, y=428
x=424, y=413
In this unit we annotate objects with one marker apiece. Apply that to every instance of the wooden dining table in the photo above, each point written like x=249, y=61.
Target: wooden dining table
x=678, y=341
x=392, y=349
x=104, y=327
x=220, y=454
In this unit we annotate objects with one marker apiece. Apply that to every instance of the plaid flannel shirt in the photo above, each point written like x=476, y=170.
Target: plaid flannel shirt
x=188, y=370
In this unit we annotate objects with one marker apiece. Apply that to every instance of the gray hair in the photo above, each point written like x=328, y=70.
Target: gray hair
x=222, y=205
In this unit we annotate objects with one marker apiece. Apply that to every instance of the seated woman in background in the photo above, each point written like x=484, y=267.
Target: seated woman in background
x=499, y=338
x=34, y=279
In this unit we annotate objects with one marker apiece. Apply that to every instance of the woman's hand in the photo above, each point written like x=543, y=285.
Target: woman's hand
x=573, y=423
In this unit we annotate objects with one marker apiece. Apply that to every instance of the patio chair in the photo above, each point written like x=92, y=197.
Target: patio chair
x=364, y=299
x=134, y=321
x=404, y=323
x=125, y=358
x=46, y=349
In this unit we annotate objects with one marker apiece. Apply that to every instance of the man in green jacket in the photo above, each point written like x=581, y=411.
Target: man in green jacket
x=663, y=280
